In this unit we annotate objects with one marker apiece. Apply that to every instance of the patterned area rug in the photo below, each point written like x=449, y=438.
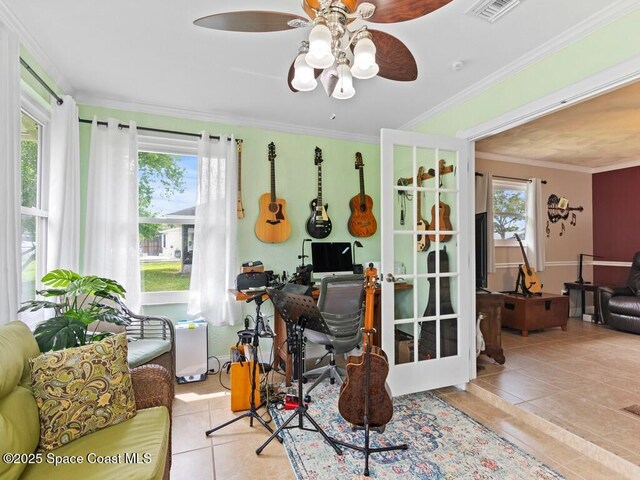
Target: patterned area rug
x=444, y=443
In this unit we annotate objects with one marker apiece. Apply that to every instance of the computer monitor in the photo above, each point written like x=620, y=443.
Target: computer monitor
x=331, y=258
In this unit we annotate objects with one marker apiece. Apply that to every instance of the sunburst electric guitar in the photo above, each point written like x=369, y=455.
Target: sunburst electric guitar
x=319, y=223
x=272, y=225
x=361, y=223
x=423, y=242
x=530, y=281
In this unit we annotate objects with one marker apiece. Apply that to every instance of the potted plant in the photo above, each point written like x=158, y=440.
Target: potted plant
x=77, y=301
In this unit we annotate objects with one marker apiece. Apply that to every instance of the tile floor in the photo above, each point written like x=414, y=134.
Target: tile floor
x=580, y=380
x=552, y=373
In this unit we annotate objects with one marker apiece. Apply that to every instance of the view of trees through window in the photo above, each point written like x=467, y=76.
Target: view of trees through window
x=29, y=172
x=509, y=211
x=167, y=186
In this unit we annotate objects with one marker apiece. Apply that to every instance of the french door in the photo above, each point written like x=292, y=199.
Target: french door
x=426, y=227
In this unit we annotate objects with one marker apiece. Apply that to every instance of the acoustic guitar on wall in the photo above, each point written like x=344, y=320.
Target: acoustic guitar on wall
x=361, y=223
x=530, y=281
x=272, y=225
x=319, y=223
x=239, y=207
x=444, y=212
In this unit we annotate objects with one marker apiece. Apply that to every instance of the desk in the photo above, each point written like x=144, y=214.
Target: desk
x=586, y=287
x=280, y=327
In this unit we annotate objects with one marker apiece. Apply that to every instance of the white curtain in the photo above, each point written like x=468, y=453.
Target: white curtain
x=63, y=235
x=534, y=232
x=10, y=271
x=484, y=203
x=215, y=263
x=111, y=235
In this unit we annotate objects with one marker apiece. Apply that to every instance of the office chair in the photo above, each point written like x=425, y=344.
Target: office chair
x=340, y=303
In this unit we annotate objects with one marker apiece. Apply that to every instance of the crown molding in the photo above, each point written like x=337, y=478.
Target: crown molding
x=534, y=163
x=617, y=166
x=31, y=44
x=572, y=35
x=175, y=112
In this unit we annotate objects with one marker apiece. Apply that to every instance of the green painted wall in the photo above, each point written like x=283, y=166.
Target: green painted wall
x=295, y=182
x=613, y=44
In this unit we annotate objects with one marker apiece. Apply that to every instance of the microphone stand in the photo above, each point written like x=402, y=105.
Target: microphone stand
x=253, y=409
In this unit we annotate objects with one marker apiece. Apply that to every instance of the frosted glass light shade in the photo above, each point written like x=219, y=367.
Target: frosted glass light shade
x=304, y=78
x=364, y=61
x=320, y=55
x=344, y=88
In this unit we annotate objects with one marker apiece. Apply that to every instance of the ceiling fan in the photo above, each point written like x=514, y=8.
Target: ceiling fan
x=335, y=52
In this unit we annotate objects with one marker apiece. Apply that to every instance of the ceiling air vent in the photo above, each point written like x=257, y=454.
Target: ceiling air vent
x=492, y=10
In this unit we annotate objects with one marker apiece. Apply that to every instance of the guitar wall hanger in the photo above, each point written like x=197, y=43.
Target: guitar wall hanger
x=431, y=173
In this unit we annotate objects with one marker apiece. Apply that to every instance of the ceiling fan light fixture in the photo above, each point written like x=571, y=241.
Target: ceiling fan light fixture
x=344, y=88
x=364, y=59
x=320, y=55
x=304, y=78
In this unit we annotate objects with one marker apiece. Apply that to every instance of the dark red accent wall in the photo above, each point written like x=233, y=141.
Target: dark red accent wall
x=616, y=221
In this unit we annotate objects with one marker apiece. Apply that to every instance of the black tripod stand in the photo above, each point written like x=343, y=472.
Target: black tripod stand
x=253, y=409
x=299, y=310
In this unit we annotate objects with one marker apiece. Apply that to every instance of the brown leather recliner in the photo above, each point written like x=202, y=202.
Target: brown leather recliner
x=620, y=306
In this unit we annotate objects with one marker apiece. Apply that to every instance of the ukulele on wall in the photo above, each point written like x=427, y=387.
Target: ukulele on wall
x=530, y=281
x=444, y=211
x=365, y=395
x=239, y=207
x=272, y=225
x=423, y=242
x=319, y=223
x=361, y=223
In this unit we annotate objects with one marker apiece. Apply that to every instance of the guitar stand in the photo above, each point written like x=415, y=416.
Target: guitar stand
x=253, y=409
x=367, y=449
x=520, y=284
x=298, y=310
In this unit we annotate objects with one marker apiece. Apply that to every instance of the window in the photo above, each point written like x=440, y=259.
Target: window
x=509, y=211
x=33, y=205
x=167, y=186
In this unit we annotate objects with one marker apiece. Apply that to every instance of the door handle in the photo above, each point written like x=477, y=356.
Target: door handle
x=390, y=278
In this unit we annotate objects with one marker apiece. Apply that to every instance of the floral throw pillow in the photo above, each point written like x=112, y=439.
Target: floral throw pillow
x=81, y=390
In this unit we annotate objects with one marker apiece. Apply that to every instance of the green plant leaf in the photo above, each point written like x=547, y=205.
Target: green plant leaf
x=35, y=305
x=59, y=278
x=60, y=332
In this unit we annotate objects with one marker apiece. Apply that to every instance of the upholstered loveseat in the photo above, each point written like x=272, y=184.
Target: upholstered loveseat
x=138, y=448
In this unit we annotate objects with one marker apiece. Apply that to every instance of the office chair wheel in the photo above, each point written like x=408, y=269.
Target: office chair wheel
x=307, y=398
x=305, y=379
x=333, y=381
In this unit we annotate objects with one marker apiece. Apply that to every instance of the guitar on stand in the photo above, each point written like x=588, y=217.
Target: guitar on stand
x=527, y=277
x=365, y=399
x=239, y=207
x=319, y=223
x=272, y=225
x=361, y=223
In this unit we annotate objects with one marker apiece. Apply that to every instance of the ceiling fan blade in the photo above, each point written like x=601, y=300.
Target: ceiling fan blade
x=248, y=21
x=393, y=57
x=392, y=11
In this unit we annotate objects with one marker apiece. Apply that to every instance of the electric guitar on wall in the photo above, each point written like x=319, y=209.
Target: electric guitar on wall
x=239, y=207
x=361, y=223
x=272, y=225
x=530, y=282
x=423, y=242
x=319, y=223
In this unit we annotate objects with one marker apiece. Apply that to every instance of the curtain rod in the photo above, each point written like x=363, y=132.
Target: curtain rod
x=480, y=174
x=158, y=130
x=41, y=81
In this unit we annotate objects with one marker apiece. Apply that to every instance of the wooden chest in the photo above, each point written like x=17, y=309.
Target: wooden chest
x=491, y=306
x=535, y=312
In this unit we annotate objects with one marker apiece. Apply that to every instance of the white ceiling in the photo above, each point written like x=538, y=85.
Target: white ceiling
x=149, y=53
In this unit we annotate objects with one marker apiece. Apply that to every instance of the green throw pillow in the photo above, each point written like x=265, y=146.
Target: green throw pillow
x=81, y=390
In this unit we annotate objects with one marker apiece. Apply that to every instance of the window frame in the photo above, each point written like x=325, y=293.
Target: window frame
x=42, y=116
x=520, y=185
x=168, y=144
